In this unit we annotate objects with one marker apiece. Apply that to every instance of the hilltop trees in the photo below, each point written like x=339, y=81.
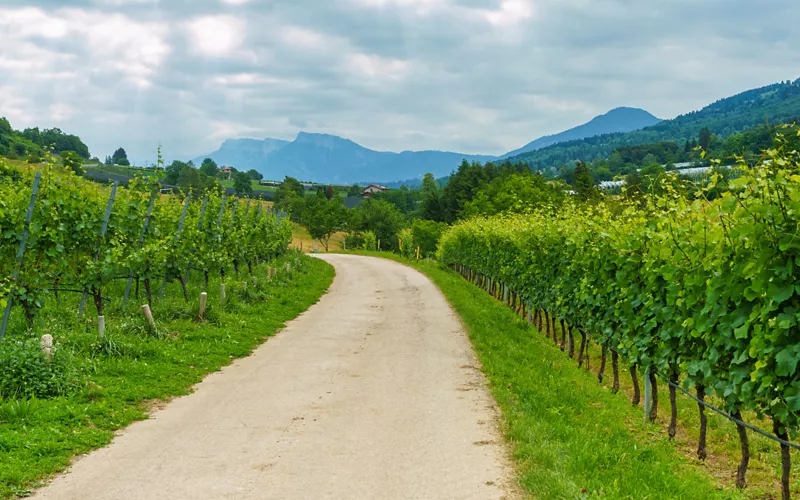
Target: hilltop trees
x=120, y=157
x=209, y=167
x=242, y=183
x=56, y=139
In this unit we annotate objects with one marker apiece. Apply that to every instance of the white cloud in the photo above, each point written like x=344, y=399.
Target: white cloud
x=483, y=76
x=216, y=35
x=511, y=12
x=378, y=67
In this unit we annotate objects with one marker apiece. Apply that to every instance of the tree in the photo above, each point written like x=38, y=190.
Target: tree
x=255, y=174
x=517, y=193
x=288, y=191
x=431, y=207
x=704, y=138
x=380, y=217
x=329, y=192
x=209, y=167
x=427, y=234
x=72, y=161
x=173, y=172
x=118, y=156
x=355, y=190
x=323, y=218
x=242, y=183
x=584, y=183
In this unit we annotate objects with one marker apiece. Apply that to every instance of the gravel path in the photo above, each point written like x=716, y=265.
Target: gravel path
x=374, y=393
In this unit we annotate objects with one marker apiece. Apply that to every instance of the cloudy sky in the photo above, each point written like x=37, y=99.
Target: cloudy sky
x=473, y=76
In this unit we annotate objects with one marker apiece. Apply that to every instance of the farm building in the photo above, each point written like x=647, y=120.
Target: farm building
x=372, y=189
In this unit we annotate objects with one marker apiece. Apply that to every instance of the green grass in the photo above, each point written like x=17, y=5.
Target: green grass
x=570, y=437
x=122, y=377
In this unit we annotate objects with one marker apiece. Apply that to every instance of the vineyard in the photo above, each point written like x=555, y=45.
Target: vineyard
x=61, y=234
x=697, y=289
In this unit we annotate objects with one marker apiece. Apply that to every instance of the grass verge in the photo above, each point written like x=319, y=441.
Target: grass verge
x=570, y=436
x=116, y=381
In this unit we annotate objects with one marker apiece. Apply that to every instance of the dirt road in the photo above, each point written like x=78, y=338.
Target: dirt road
x=371, y=394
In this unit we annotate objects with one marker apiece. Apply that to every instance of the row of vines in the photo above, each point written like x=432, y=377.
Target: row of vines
x=698, y=292
x=82, y=236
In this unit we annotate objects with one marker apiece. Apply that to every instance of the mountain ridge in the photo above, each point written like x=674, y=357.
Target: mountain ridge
x=621, y=119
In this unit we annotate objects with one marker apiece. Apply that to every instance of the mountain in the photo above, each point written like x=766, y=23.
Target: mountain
x=617, y=120
x=775, y=103
x=328, y=158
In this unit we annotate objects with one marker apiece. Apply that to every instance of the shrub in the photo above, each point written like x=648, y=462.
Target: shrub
x=405, y=241
x=370, y=240
x=427, y=234
x=26, y=373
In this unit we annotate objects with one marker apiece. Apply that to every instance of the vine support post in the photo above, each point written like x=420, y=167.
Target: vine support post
x=203, y=301
x=177, y=238
x=141, y=241
x=21, y=250
x=103, y=230
x=648, y=395
x=199, y=227
x=101, y=326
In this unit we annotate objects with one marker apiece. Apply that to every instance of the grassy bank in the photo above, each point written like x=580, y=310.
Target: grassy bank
x=570, y=436
x=111, y=383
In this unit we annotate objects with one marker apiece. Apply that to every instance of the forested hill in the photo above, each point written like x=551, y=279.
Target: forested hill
x=774, y=103
x=32, y=141
x=617, y=120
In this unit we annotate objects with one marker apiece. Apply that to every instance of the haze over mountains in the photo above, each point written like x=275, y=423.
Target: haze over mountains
x=331, y=159
x=328, y=158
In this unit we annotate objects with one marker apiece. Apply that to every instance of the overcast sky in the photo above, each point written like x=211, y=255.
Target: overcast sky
x=473, y=76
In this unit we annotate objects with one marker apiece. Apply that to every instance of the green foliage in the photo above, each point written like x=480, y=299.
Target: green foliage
x=73, y=162
x=288, y=192
x=18, y=411
x=118, y=156
x=381, y=218
x=323, y=217
x=354, y=190
x=242, y=183
x=405, y=200
x=467, y=181
x=370, y=241
x=56, y=141
x=584, y=183
x=406, y=244
x=25, y=372
x=64, y=243
x=427, y=234
x=255, y=174
x=431, y=206
x=515, y=193
x=704, y=288
x=209, y=167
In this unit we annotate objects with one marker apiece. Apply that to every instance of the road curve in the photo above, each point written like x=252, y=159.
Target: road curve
x=373, y=393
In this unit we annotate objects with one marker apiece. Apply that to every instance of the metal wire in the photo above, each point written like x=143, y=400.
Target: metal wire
x=724, y=413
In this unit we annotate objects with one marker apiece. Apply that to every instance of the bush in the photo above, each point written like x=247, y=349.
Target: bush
x=354, y=241
x=427, y=234
x=370, y=240
x=26, y=373
x=405, y=241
